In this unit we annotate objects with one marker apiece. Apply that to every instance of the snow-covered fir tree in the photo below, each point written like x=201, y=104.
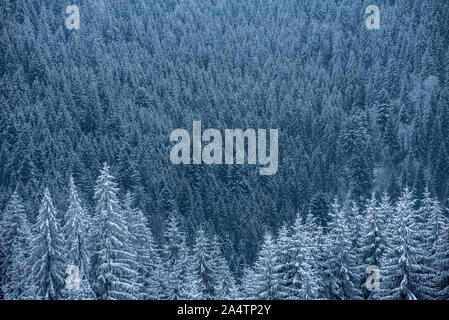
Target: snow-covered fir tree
x=15, y=237
x=399, y=261
x=47, y=258
x=428, y=230
x=148, y=262
x=354, y=225
x=226, y=286
x=287, y=248
x=204, y=265
x=174, y=265
x=311, y=266
x=183, y=281
x=114, y=259
x=247, y=286
x=442, y=262
x=341, y=259
x=373, y=242
x=76, y=236
x=266, y=279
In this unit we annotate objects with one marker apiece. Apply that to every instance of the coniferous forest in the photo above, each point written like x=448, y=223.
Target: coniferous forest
x=91, y=207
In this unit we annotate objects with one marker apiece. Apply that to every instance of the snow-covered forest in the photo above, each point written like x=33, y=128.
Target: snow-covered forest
x=118, y=258
x=363, y=176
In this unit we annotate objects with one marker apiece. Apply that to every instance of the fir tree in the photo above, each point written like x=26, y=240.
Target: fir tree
x=266, y=278
x=310, y=266
x=286, y=268
x=15, y=240
x=248, y=286
x=442, y=264
x=76, y=234
x=113, y=262
x=183, y=280
x=399, y=262
x=148, y=263
x=429, y=229
x=47, y=253
x=226, y=286
x=343, y=281
x=373, y=242
x=204, y=265
x=383, y=109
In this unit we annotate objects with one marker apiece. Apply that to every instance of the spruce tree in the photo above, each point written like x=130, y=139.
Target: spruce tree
x=429, y=229
x=248, y=285
x=266, y=278
x=373, y=242
x=343, y=281
x=399, y=262
x=47, y=259
x=204, y=265
x=183, y=281
x=442, y=264
x=310, y=266
x=226, y=286
x=15, y=237
x=148, y=262
x=76, y=235
x=113, y=261
x=287, y=252
x=354, y=223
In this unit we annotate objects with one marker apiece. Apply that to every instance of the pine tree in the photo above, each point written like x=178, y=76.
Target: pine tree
x=354, y=223
x=296, y=258
x=418, y=143
x=320, y=209
x=47, y=253
x=393, y=189
x=320, y=252
x=248, y=286
x=183, y=280
x=442, y=263
x=383, y=109
x=15, y=237
x=390, y=139
x=429, y=229
x=76, y=231
x=419, y=185
x=148, y=262
x=310, y=266
x=204, y=265
x=342, y=282
x=286, y=254
x=309, y=287
x=266, y=278
x=226, y=286
x=399, y=262
x=174, y=240
x=373, y=242
x=113, y=262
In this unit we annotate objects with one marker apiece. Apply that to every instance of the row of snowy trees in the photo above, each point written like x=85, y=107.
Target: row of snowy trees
x=118, y=258
x=113, y=251
x=409, y=245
